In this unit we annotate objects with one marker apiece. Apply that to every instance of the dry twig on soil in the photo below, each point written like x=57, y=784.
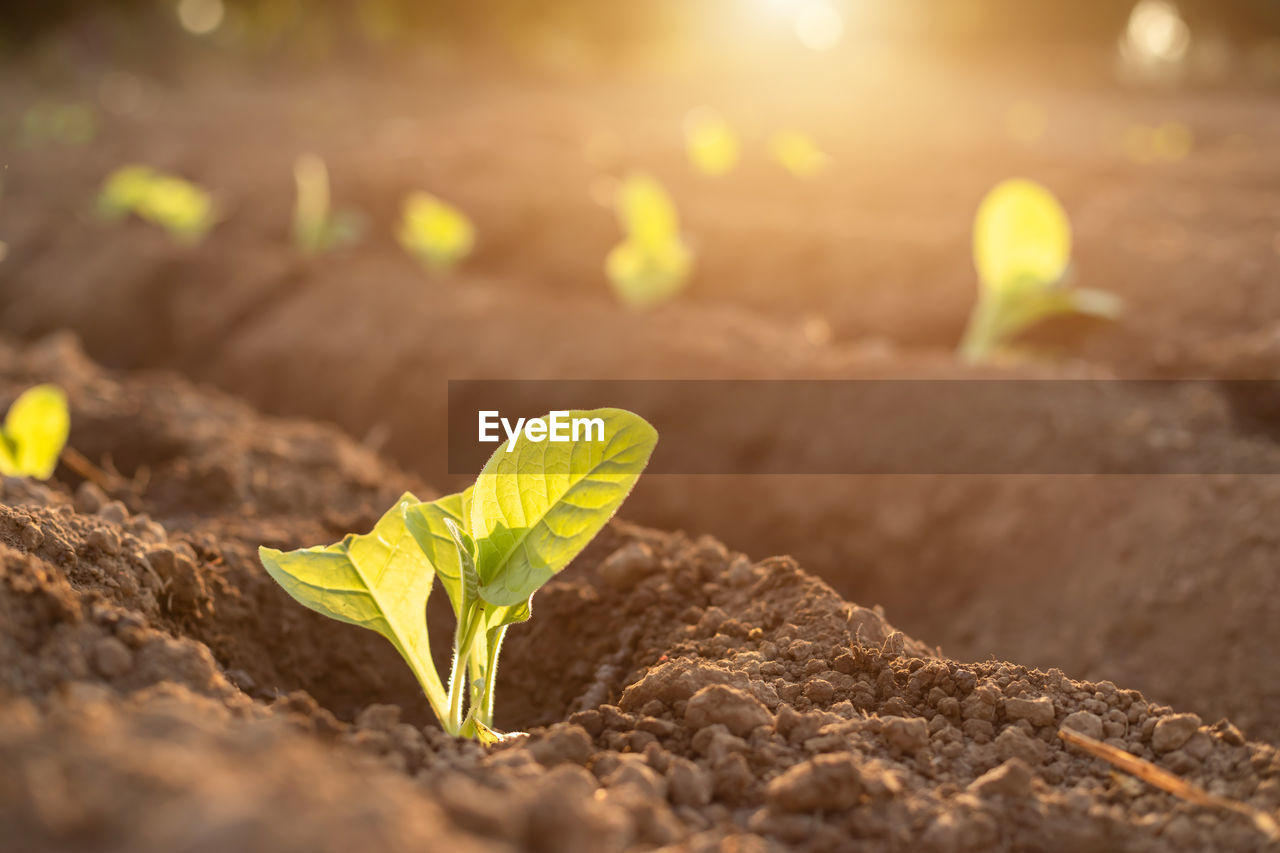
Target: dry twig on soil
x=1166, y=781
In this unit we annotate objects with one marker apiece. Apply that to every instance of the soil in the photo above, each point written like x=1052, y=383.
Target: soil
x=1158, y=582
x=158, y=691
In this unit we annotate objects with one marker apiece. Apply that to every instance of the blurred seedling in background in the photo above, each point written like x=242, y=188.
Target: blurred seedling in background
x=1022, y=251
x=713, y=146
x=535, y=505
x=34, y=433
x=798, y=154
x=178, y=206
x=47, y=123
x=435, y=231
x=652, y=263
x=316, y=229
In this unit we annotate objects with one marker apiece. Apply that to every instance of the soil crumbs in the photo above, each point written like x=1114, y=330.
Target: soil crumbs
x=157, y=691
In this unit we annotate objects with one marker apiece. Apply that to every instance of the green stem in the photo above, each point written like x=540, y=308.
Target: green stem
x=484, y=713
x=464, y=638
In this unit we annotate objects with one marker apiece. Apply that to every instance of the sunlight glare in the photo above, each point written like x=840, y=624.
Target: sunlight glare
x=200, y=17
x=1157, y=34
x=819, y=25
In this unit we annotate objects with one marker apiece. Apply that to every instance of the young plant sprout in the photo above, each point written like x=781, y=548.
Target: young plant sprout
x=798, y=154
x=34, y=433
x=315, y=228
x=652, y=263
x=180, y=207
x=533, y=508
x=712, y=144
x=1022, y=250
x=435, y=231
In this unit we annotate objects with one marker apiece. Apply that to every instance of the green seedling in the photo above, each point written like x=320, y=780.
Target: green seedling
x=178, y=206
x=435, y=231
x=534, y=507
x=652, y=263
x=35, y=431
x=711, y=142
x=1022, y=251
x=315, y=228
x=798, y=154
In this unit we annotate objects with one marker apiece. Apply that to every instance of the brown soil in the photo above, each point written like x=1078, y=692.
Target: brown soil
x=1160, y=583
x=158, y=692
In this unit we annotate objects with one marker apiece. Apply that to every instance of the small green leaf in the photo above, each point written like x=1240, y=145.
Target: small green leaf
x=436, y=231
x=124, y=191
x=428, y=524
x=652, y=263
x=1022, y=250
x=1020, y=233
x=534, y=508
x=183, y=209
x=316, y=228
x=380, y=581
x=34, y=433
x=713, y=146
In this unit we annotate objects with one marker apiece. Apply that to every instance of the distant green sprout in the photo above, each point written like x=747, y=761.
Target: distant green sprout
x=534, y=507
x=712, y=144
x=178, y=206
x=315, y=228
x=35, y=431
x=1022, y=250
x=60, y=124
x=652, y=263
x=798, y=153
x=435, y=231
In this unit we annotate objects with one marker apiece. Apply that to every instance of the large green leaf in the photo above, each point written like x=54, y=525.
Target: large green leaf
x=427, y=523
x=34, y=433
x=380, y=581
x=534, y=508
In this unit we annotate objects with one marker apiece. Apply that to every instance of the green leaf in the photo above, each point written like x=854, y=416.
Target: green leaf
x=1020, y=233
x=183, y=209
x=534, y=508
x=1022, y=250
x=380, y=581
x=34, y=433
x=436, y=231
x=652, y=263
x=428, y=524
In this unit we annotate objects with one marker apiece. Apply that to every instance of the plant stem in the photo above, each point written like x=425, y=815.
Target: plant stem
x=484, y=713
x=464, y=638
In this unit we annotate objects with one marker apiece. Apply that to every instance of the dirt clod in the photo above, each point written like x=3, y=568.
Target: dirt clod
x=736, y=710
x=1173, y=731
